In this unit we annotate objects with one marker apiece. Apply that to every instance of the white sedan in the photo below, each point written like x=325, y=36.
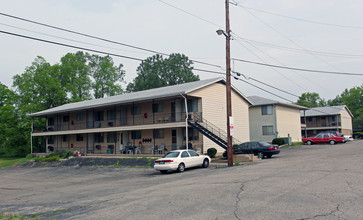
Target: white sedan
x=180, y=159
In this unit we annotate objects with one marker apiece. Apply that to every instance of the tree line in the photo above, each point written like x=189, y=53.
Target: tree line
x=77, y=77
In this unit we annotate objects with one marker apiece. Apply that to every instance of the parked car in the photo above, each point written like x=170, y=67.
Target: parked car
x=359, y=136
x=259, y=148
x=348, y=138
x=323, y=138
x=335, y=133
x=180, y=159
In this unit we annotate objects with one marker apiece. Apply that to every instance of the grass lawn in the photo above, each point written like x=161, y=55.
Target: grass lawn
x=7, y=162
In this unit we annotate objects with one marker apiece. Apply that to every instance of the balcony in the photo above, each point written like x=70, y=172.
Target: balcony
x=145, y=119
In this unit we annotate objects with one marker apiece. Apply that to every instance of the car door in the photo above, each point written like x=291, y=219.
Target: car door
x=244, y=148
x=195, y=159
x=326, y=138
x=254, y=147
x=318, y=139
x=186, y=159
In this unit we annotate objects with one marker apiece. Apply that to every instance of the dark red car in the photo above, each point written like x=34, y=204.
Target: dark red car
x=323, y=138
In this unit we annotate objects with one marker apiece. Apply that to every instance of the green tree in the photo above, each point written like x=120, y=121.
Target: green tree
x=75, y=76
x=155, y=72
x=353, y=99
x=107, y=77
x=311, y=100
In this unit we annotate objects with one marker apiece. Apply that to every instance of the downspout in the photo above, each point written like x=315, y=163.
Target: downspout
x=186, y=121
x=31, y=137
x=276, y=132
x=306, y=134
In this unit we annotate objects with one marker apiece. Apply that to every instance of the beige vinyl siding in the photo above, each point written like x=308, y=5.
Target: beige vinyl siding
x=346, y=122
x=214, y=111
x=288, y=122
x=257, y=121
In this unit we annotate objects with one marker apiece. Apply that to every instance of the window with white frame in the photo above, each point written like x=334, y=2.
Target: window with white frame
x=267, y=130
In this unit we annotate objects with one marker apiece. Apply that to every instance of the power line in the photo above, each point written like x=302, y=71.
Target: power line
x=304, y=78
x=98, y=38
x=71, y=46
x=274, y=29
x=300, y=19
x=321, y=53
x=299, y=69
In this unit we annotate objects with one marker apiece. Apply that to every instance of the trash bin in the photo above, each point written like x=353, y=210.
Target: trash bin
x=109, y=151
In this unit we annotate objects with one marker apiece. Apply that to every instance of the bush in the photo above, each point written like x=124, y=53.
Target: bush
x=212, y=152
x=278, y=141
x=30, y=156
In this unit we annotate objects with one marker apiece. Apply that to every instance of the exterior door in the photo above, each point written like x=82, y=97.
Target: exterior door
x=172, y=112
x=173, y=139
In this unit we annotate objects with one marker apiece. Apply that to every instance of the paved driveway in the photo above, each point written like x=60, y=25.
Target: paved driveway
x=308, y=182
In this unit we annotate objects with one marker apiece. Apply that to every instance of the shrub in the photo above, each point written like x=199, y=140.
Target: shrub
x=278, y=141
x=212, y=152
x=30, y=156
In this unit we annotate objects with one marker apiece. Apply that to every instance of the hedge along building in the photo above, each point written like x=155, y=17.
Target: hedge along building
x=148, y=122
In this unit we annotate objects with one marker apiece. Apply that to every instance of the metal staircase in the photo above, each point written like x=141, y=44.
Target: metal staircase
x=211, y=131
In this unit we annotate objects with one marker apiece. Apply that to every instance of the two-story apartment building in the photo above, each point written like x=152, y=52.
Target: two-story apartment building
x=329, y=118
x=270, y=119
x=150, y=121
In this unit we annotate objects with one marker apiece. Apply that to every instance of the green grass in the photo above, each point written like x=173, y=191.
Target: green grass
x=8, y=162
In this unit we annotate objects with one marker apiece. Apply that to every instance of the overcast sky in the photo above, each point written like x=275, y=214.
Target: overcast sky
x=280, y=32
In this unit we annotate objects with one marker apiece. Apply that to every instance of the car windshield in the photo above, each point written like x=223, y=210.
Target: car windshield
x=171, y=154
x=264, y=143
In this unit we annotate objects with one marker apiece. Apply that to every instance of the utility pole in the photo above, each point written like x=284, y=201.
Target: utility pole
x=228, y=87
x=227, y=34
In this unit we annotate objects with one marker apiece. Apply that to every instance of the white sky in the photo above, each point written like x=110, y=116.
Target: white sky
x=157, y=26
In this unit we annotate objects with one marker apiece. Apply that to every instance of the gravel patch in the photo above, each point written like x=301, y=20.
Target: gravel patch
x=82, y=161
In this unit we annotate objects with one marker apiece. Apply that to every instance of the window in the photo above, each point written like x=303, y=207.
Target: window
x=111, y=114
x=185, y=154
x=99, y=116
x=193, y=153
x=111, y=137
x=266, y=110
x=193, y=134
x=65, y=138
x=159, y=107
x=99, y=137
x=136, y=134
x=159, y=133
x=79, y=137
x=192, y=105
x=51, y=140
x=267, y=130
x=311, y=119
x=66, y=118
x=79, y=117
x=135, y=110
x=50, y=121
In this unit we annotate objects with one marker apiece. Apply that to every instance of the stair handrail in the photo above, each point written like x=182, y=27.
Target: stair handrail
x=197, y=117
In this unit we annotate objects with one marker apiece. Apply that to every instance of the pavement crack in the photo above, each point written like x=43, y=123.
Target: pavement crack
x=238, y=200
x=324, y=215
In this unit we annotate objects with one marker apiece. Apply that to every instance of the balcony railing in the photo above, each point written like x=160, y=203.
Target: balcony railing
x=145, y=119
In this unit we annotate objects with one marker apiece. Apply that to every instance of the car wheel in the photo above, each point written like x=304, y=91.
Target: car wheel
x=163, y=171
x=205, y=163
x=309, y=142
x=260, y=155
x=331, y=142
x=181, y=168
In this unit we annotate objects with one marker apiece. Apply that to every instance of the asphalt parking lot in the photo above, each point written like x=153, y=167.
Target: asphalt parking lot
x=305, y=182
